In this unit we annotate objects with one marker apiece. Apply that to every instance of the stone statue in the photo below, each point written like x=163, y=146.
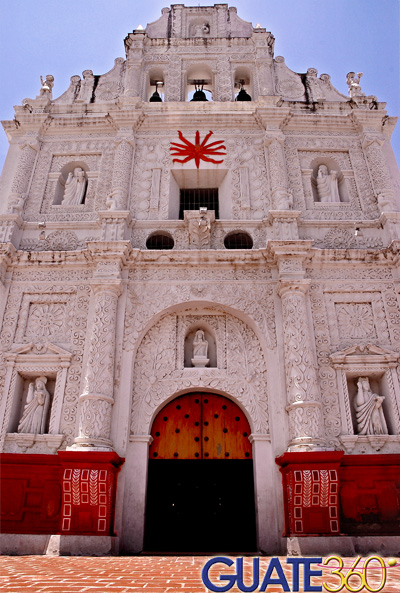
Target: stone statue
x=75, y=187
x=327, y=185
x=47, y=85
x=34, y=417
x=368, y=407
x=200, y=350
x=353, y=82
x=200, y=344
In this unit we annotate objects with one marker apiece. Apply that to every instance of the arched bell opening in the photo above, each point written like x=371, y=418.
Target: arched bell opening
x=155, y=86
x=243, y=85
x=199, y=83
x=200, y=495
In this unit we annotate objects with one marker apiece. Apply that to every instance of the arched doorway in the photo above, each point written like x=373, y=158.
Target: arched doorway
x=200, y=496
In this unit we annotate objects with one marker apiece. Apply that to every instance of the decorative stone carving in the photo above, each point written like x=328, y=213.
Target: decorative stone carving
x=281, y=197
x=380, y=174
x=199, y=225
x=157, y=378
x=200, y=350
x=97, y=396
x=305, y=415
x=36, y=409
x=75, y=188
x=118, y=198
x=368, y=408
x=23, y=174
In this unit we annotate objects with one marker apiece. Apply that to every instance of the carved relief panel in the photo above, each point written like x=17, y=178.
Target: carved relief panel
x=157, y=375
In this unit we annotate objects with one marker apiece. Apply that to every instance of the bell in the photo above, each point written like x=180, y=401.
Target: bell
x=243, y=96
x=199, y=95
x=155, y=97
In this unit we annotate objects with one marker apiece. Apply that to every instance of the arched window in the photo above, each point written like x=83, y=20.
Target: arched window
x=71, y=188
x=160, y=240
x=238, y=240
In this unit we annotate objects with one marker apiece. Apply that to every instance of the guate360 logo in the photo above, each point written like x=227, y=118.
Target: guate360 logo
x=352, y=578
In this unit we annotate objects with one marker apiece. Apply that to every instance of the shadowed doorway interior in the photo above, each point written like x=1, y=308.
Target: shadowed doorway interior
x=200, y=494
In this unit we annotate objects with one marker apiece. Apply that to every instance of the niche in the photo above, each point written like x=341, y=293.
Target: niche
x=327, y=182
x=379, y=386
x=189, y=347
x=22, y=390
x=71, y=188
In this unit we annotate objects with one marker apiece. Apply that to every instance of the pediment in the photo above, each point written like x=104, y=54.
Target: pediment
x=364, y=353
x=32, y=351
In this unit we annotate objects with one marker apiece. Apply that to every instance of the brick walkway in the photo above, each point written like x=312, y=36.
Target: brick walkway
x=150, y=574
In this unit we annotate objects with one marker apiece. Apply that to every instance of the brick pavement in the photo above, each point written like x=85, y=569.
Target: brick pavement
x=150, y=574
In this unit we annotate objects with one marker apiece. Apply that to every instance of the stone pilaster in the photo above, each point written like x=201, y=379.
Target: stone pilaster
x=223, y=83
x=97, y=398
x=381, y=179
x=134, y=49
x=118, y=198
x=20, y=184
x=281, y=197
x=304, y=406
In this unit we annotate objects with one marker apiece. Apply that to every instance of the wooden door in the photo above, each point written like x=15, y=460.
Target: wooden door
x=200, y=426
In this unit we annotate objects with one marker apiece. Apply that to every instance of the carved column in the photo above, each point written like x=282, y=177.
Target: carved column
x=22, y=176
x=381, y=179
x=118, y=198
x=304, y=406
x=96, y=400
x=281, y=197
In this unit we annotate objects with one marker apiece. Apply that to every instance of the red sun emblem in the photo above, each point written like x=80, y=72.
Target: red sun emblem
x=197, y=151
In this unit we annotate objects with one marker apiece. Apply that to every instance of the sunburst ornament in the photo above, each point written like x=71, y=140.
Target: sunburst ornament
x=197, y=151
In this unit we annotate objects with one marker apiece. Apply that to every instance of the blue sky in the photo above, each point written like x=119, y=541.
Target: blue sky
x=65, y=37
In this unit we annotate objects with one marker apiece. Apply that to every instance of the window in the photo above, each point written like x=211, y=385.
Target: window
x=193, y=199
x=238, y=240
x=160, y=241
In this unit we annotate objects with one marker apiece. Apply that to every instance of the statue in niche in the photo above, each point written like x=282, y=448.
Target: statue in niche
x=47, y=85
x=200, y=349
x=75, y=187
x=33, y=420
x=327, y=185
x=369, y=412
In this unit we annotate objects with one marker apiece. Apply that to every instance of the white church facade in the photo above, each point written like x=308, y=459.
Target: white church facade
x=200, y=305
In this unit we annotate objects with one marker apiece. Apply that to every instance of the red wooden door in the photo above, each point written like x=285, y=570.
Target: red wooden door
x=200, y=426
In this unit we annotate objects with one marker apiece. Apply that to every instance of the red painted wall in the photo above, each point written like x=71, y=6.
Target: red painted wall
x=70, y=493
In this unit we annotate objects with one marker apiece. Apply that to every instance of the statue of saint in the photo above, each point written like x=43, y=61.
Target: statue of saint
x=75, y=187
x=200, y=345
x=368, y=407
x=353, y=82
x=327, y=185
x=47, y=85
x=33, y=420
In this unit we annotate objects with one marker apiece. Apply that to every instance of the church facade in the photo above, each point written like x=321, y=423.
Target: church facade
x=200, y=305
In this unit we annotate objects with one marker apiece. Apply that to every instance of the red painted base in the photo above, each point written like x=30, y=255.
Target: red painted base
x=70, y=493
x=328, y=493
